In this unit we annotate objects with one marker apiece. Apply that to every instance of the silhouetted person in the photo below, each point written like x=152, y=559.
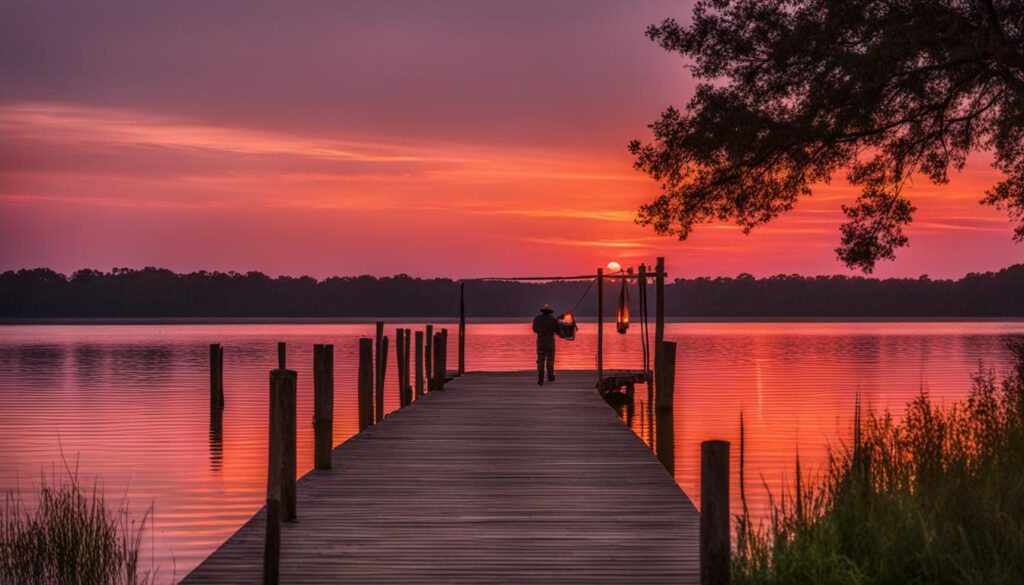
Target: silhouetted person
x=545, y=326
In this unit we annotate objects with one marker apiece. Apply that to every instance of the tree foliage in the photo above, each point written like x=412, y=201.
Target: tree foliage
x=153, y=293
x=792, y=92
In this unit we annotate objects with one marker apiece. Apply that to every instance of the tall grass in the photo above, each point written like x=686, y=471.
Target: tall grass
x=69, y=537
x=935, y=497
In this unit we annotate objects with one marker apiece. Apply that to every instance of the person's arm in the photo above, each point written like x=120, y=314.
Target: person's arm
x=536, y=326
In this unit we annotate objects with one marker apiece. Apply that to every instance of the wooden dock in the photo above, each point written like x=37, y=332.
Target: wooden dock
x=493, y=480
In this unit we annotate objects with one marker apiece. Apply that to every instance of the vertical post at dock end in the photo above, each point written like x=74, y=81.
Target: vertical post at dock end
x=600, y=326
x=282, y=385
x=462, y=328
x=664, y=415
x=659, y=311
x=323, y=405
x=281, y=354
x=378, y=399
x=400, y=362
x=715, y=547
x=444, y=356
x=365, y=389
x=287, y=417
x=428, y=361
x=438, y=369
x=419, y=364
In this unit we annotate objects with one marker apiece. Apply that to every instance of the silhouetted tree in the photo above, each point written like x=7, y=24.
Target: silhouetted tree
x=793, y=91
x=160, y=293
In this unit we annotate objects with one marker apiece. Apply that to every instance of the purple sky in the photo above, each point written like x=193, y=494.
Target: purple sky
x=479, y=135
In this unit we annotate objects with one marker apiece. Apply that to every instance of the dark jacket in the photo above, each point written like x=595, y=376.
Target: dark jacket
x=545, y=326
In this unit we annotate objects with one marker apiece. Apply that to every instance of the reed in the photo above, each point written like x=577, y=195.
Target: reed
x=70, y=537
x=935, y=497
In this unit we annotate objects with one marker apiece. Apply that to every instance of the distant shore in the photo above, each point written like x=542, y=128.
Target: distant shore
x=476, y=320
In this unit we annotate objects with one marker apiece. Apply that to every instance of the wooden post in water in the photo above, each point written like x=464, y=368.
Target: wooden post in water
x=715, y=548
x=438, y=368
x=280, y=355
x=444, y=356
x=659, y=312
x=664, y=414
x=379, y=394
x=379, y=355
x=429, y=361
x=400, y=357
x=365, y=388
x=287, y=414
x=282, y=382
x=408, y=364
x=462, y=328
x=323, y=405
x=216, y=377
x=419, y=364
x=600, y=327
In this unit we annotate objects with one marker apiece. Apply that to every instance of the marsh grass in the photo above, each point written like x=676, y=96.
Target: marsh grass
x=935, y=497
x=68, y=536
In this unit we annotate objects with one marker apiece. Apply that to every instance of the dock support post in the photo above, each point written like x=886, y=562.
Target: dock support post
x=282, y=383
x=600, y=327
x=403, y=363
x=664, y=413
x=365, y=389
x=429, y=361
x=462, y=328
x=381, y=372
x=715, y=548
x=444, y=356
x=323, y=405
x=286, y=405
x=438, y=343
x=408, y=365
x=281, y=352
x=659, y=312
x=419, y=364
x=216, y=377
x=378, y=371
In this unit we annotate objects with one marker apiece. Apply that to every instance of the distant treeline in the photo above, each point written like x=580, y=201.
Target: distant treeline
x=158, y=293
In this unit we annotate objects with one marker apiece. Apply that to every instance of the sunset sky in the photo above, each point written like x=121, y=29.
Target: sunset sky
x=430, y=138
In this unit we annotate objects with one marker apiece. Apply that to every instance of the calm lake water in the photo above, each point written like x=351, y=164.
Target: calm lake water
x=129, y=404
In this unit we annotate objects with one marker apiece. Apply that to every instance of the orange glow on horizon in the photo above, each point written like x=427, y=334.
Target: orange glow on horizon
x=109, y=180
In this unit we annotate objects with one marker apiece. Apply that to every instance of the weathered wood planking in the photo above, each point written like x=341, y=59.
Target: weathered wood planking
x=494, y=480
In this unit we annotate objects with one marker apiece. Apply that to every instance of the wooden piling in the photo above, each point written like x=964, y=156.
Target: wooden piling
x=438, y=344
x=216, y=377
x=287, y=410
x=429, y=360
x=401, y=363
x=462, y=328
x=365, y=388
x=600, y=326
x=659, y=309
x=323, y=405
x=444, y=356
x=379, y=394
x=282, y=382
x=379, y=356
x=419, y=364
x=280, y=355
x=714, y=513
x=664, y=414
x=408, y=365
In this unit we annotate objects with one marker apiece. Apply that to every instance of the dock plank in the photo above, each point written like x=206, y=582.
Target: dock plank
x=493, y=480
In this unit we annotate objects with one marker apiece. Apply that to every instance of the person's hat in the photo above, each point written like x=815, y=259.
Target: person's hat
x=547, y=309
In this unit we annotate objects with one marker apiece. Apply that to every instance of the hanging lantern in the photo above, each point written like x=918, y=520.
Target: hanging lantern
x=622, y=316
x=567, y=327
